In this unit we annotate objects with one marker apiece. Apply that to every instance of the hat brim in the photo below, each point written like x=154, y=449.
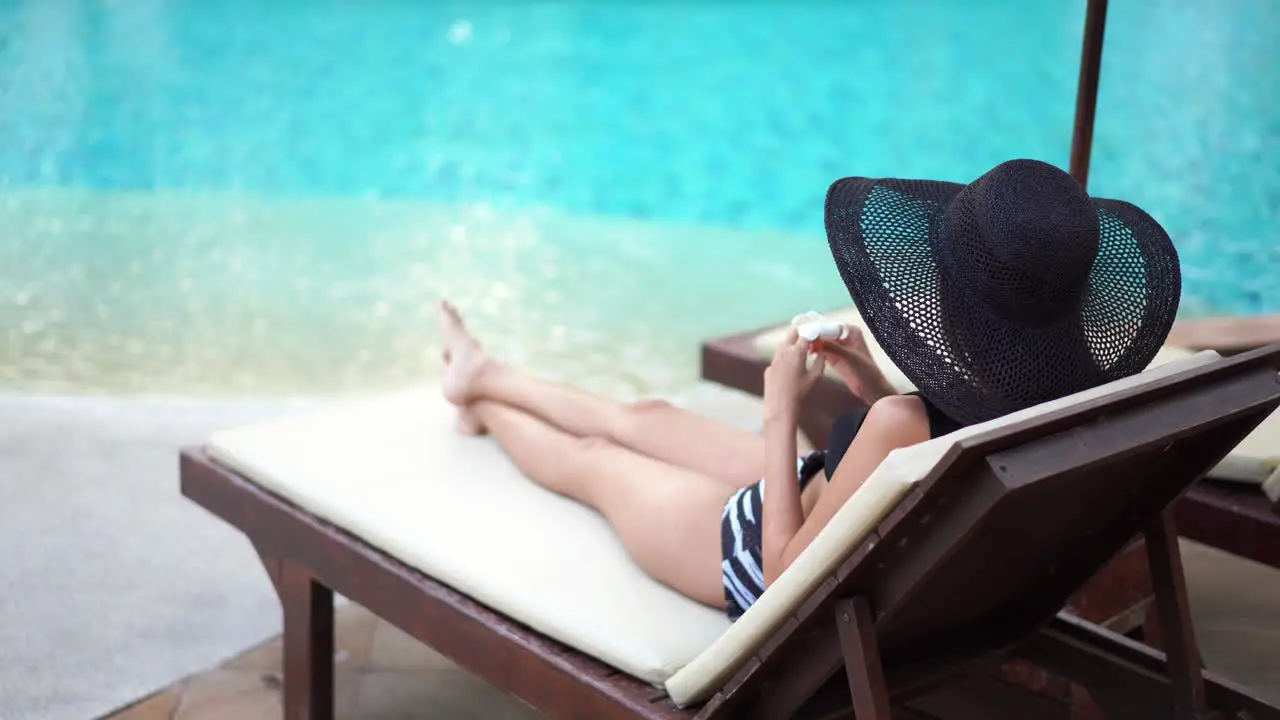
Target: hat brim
x=971, y=362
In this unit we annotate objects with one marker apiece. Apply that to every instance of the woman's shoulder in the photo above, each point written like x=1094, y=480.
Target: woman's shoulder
x=904, y=417
x=898, y=407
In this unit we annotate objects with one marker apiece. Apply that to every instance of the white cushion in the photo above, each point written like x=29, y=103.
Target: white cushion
x=877, y=496
x=393, y=472
x=1256, y=459
x=1253, y=461
x=1271, y=486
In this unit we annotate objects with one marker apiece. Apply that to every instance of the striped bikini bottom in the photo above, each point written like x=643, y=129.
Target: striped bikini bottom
x=742, y=568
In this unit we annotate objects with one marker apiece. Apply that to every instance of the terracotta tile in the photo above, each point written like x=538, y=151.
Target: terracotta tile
x=219, y=686
x=157, y=707
x=394, y=649
x=251, y=694
x=443, y=694
x=353, y=637
x=266, y=657
x=256, y=705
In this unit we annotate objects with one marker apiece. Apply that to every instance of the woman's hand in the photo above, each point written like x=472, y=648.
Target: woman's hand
x=789, y=378
x=852, y=362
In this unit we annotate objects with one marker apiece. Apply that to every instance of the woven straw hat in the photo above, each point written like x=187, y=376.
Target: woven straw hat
x=1012, y=290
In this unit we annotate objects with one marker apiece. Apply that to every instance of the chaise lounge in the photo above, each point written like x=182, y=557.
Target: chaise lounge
x=954, y=556
x=1237, y=507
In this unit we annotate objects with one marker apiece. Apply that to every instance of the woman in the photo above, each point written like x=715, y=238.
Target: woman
x=991, y=297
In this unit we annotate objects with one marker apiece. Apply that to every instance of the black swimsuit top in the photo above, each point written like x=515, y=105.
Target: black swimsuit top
x=847, y=425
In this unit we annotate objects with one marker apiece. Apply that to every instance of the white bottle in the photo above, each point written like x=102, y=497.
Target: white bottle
x=814, y=326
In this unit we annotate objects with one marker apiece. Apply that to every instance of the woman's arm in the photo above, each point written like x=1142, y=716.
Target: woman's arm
x=893, y=422
x=783, y=513
x=787, y=380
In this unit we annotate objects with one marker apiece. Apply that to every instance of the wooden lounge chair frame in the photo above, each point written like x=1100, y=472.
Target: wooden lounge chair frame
x=1230, y=516
x=917, y=603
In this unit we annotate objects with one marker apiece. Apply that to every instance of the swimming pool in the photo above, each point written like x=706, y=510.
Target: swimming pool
x=234, y=196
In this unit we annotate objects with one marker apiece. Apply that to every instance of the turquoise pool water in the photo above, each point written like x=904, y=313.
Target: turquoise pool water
x=205, y=195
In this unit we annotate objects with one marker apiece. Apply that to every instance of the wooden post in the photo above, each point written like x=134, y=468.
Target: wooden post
x=862, y=659
x=308, y=644
x=1095, y=21
x=1186, y=670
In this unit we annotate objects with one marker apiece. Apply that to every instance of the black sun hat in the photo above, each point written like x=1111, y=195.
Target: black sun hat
x=1013, y=290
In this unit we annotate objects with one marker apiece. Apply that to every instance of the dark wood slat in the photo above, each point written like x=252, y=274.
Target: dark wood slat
x=1227, y=335
x=1233, y=517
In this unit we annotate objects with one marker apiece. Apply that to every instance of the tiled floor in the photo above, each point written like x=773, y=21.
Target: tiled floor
x=380, y=673
x=383, y=674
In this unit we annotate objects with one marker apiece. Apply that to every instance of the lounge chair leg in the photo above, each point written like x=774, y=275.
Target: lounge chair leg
x=1177, y=634
x=308, y=643
x=862, y=659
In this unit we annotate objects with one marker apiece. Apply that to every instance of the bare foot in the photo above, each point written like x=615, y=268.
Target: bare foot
x=468, y=423
x=464, y=359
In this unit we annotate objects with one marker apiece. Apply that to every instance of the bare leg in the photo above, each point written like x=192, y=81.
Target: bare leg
x=649, y=427
x=667, y=517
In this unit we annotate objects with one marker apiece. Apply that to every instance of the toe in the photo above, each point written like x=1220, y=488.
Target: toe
x=450, y=322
